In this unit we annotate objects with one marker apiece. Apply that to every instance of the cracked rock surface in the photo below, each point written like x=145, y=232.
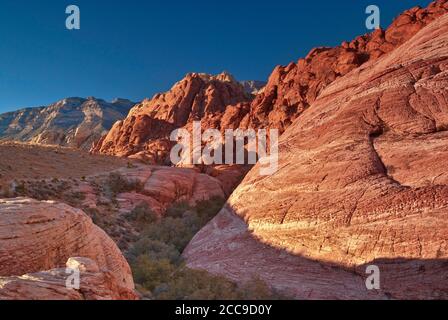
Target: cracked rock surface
x=42, y=235
x=361, y=181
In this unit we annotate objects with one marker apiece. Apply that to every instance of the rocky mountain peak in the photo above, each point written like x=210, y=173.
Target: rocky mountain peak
x=72, y=122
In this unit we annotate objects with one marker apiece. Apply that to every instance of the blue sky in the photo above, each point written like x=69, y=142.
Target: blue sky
x=135, y=48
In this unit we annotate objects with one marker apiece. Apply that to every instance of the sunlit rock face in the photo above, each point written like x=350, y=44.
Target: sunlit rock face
x=292, y=89
x=145, y=133
x=71, y=122
x=223, y=103
x=361, y=181
x=36, y=236
x=95, y=284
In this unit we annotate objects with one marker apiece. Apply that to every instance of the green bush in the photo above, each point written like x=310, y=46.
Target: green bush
x=143, y=215
x=154, y=250
x=177, y=210
x=118, y=184
x=176, y=232
x=152, y=273
x=189, y=284
x=159, y=271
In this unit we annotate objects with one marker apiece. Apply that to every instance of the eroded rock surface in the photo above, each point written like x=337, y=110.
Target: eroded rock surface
x=219, y=102
x=292, y=89
x=145, y=133
x=164, y=186
x=335, y=198
x=95, y=284
x=42, y=235
x=72, y=122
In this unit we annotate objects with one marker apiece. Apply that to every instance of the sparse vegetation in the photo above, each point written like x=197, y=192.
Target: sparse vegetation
x=59, y=190
x=118, y=184
x=143, y=215
x=160, y=272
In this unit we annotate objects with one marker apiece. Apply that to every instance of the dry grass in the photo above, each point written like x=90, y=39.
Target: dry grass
x=25, y=161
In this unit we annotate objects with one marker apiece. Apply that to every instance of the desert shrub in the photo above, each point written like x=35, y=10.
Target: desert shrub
x=72, y=198
x=151, y=273
x=118, y=184
x=21, y=189
x=159, y=271
x=177, y=210
x=188, y=284
x=130, y=165
x=143, y=215
x=154, y=250
x=176, y=232
x=208, y=209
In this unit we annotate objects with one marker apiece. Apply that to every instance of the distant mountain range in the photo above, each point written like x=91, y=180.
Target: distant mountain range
x=253, y=87
x=75, y=122
x=71, y=122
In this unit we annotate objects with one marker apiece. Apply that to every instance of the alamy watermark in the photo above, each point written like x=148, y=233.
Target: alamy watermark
x=373, y=281
x=73, y=21
x=73, y=280
x=373, y=21
x=211, y=147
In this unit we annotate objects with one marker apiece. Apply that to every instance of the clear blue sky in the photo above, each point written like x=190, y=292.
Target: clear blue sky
x=135, y=48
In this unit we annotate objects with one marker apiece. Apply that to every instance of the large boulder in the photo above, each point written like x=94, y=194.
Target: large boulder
x=95, y=284
x=37, y=236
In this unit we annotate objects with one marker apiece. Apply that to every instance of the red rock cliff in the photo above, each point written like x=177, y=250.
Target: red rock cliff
x=362, y=180
x=221, y=103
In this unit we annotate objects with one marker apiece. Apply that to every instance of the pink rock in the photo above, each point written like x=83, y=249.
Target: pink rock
x=36, y=236
x=52, y=285
x=361, y=181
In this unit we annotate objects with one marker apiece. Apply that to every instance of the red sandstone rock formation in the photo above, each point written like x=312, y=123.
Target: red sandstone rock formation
x=220, y=102
x=164, y=186
x=291, y=89
x=145, y=132
x=37, y=236
x=361, y=179
x=95, y=284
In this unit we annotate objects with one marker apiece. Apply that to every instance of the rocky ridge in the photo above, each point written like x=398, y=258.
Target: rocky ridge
x=145, y=133
x=358, y=182
x=71, y=122
x=219, y=101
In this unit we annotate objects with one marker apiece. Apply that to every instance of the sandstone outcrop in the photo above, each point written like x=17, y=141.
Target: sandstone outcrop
x=292, y=89
x=72, y=122
x=361, y=179
x=164, y=186
x=220, y=101
x=145, y=133
x=37, y=236
x=95, y=284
